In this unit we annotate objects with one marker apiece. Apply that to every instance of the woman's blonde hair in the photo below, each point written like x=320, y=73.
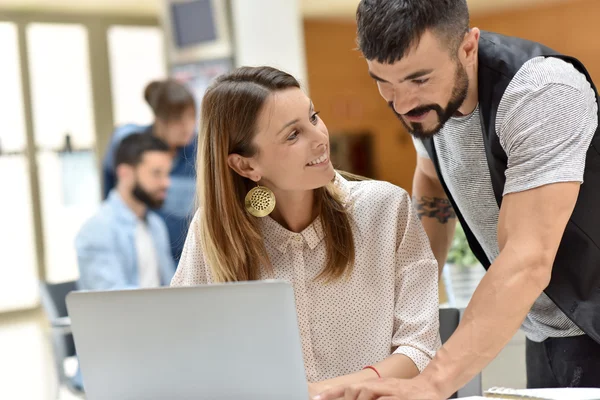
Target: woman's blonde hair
x=230, y=237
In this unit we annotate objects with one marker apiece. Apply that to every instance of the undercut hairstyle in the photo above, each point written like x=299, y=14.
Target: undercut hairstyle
x=389, y=29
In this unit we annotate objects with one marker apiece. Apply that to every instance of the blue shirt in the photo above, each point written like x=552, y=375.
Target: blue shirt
x=179, y=203
x=106, y=250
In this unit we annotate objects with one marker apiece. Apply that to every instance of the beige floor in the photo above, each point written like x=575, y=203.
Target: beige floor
x=27, y=372
x=26, y=363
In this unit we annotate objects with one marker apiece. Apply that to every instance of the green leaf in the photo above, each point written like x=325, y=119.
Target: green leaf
x=460, y=253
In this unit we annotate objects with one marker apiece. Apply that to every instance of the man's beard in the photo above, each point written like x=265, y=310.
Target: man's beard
x=459, y=94
x=146, y=198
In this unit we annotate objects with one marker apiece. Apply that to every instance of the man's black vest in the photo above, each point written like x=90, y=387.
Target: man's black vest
x=575, y=283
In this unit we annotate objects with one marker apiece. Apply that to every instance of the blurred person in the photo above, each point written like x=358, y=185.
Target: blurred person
x=174, y=109
x=125, y=244
x=273, y=207
x=506, y=133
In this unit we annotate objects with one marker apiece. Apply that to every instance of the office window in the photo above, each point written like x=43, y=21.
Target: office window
x=136, y=56
x=65, y=138
x=18, y=272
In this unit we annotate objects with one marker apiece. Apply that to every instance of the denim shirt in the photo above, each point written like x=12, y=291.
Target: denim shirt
x=179, y=203
x=106, y=250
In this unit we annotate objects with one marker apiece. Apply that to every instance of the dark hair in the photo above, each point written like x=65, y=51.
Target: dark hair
x=168, y=99
x=131, y=150
x=232, y=243
x=388, y=29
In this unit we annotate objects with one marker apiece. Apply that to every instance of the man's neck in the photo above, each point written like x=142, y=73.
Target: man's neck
x=295, y=211
x=136, y=206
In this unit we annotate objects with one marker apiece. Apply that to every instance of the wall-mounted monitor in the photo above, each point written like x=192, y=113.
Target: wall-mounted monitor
x=196, y=30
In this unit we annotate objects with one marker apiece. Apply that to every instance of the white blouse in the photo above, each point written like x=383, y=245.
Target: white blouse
x=388, y=305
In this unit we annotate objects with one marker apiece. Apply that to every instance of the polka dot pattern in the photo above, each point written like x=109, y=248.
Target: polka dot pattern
x=388, y=305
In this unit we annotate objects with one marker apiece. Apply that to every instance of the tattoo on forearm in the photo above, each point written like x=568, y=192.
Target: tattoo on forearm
x=434, y=207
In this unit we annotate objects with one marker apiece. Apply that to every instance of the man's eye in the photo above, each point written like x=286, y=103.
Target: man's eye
x=314, y=117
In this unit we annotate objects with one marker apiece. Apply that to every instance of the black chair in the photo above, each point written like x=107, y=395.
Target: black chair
x=449, y=319
x=53, y=301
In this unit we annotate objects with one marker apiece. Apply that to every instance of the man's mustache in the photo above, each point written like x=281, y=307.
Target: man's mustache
x=418, y=110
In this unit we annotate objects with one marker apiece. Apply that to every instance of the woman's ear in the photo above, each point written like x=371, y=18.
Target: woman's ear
x=243, y=166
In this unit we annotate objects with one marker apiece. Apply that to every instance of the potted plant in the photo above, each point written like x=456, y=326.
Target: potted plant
x=460, y=254
x=462, y=272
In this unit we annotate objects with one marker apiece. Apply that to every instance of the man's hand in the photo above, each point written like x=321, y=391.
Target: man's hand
x=384, y=389
x=316, y=388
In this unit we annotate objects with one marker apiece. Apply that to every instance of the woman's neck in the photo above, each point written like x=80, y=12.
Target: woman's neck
x=160, y=131
x=295, y=211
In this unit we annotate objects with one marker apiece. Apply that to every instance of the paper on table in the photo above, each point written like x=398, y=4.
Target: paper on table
x=544, y=394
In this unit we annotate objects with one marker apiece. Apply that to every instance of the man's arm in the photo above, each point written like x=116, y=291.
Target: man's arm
x=434, y=209
x=530, y=228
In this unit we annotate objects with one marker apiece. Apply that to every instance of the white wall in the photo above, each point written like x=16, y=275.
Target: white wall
x=270, y=32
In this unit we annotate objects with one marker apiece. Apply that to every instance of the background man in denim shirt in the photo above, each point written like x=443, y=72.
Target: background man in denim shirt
x=126, y=244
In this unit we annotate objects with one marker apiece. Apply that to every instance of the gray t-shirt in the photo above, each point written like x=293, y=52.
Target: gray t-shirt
x=545, y=123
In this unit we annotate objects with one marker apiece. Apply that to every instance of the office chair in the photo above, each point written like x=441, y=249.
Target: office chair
x=53, y=301
x=449, y=319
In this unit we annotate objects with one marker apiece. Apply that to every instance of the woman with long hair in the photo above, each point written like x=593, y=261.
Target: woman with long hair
x=272, y=206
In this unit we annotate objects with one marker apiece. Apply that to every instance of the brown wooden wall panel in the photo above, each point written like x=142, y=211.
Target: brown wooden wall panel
x=349, y=101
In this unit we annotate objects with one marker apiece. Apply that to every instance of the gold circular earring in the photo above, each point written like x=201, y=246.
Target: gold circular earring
x=260, y=201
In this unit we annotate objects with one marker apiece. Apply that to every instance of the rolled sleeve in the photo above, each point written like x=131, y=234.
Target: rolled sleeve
x=417, y=356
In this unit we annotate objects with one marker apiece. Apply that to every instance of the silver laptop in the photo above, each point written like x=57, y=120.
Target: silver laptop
x=219, y=342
